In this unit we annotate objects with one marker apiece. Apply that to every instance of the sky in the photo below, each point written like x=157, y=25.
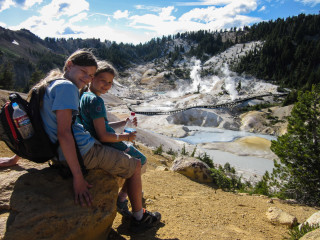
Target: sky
x=138, y=21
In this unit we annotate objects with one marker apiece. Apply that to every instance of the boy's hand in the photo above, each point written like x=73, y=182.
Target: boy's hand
x=135, y=121
x=81, y=191
x=131, y=136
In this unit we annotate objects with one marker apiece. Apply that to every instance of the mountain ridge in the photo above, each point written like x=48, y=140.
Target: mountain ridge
x=289, y=54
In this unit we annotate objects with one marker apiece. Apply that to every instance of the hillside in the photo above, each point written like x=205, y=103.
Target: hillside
x=287, y=53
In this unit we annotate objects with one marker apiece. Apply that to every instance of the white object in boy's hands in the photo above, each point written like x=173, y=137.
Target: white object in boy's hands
x=130, y=127
x=22, y=121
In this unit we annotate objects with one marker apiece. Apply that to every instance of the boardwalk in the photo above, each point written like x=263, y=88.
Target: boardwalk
x=230, y=105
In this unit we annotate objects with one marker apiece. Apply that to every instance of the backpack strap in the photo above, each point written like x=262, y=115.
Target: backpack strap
x=63, y=169
x=80, y=159
x=12, y=129
x=65, y=173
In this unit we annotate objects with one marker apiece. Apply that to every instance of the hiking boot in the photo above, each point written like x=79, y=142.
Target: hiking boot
x=149, y=219
x=122, y=208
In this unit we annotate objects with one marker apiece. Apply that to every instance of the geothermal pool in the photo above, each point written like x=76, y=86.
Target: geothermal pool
x=209, y=134
x=247, y=166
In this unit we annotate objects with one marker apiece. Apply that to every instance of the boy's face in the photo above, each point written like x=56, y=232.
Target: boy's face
x=80, y=75
x=102, y=82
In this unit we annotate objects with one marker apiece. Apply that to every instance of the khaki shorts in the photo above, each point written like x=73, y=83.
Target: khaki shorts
x=111, y=160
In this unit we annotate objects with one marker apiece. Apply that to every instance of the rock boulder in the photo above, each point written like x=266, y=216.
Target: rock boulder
x=37, y=203
x=313, y=220
x=278, y=216
x=192, y=168
x=313, y=235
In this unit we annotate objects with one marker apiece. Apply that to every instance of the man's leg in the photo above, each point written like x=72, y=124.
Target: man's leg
x=9, y=161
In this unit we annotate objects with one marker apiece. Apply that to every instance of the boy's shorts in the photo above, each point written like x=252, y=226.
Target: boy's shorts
x=111, y=160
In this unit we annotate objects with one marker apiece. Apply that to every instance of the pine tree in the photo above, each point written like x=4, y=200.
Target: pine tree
x=6, y=76
x=298, y=173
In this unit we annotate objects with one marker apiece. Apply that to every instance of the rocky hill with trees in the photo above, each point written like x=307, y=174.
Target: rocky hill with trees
x=289, y=55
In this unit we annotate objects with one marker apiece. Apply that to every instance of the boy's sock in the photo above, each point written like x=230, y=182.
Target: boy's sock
x=122, y=196
x=138, y=215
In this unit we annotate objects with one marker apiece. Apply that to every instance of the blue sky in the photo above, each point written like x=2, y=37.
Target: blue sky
x=135, y=21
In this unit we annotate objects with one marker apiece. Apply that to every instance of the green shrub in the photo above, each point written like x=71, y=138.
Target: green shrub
x=171, y=152
x=158, y=150
x=184, y=151
x=206, y=159
x=194, y=151
x=295, y=233
x=220, y=179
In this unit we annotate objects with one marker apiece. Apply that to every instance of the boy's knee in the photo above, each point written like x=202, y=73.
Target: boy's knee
x=138, y=164
x=143, y=160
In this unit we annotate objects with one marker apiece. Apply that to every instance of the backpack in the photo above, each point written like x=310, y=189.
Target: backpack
x=39, y=147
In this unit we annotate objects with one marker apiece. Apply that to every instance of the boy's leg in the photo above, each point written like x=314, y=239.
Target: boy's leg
x=117, y=163
x=134, y=189
x=122, y=202
x=133, y=152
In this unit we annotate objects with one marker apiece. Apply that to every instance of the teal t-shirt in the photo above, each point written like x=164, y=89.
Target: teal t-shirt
x=91, y=107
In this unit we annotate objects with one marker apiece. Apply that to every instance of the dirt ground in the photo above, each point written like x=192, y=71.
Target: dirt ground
x=192, y=210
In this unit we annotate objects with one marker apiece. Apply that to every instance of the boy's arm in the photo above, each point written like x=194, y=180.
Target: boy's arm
x=104, y=136
x=118, y=124
x=66, y=141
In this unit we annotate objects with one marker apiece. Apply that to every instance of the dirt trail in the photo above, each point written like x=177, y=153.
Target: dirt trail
x=191, y=210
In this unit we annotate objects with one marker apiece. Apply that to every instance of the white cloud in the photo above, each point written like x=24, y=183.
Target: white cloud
x=50, y=22
x=207, y=3
x=2, y=24
x=214, y=18
x=5, y=4
x=58, y=8
x=165, y=14
x=309, y=2
x=78, y=18
x=149, y=8
x=263, y=8
x=119, y=14
x=24, y=4
x=41, y=27
x=152, y=21
x=59, y=18
x=29, y=3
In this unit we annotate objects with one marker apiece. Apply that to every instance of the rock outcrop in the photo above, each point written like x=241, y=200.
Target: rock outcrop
x=313, y=220
x=192, y=168
x=37, y=203
x=267, y=121
x=204, y=118
x=278, y=216
x=313, y=235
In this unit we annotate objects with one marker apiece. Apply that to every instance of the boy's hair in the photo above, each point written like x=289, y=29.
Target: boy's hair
x=104, y=66
x=81, y=57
